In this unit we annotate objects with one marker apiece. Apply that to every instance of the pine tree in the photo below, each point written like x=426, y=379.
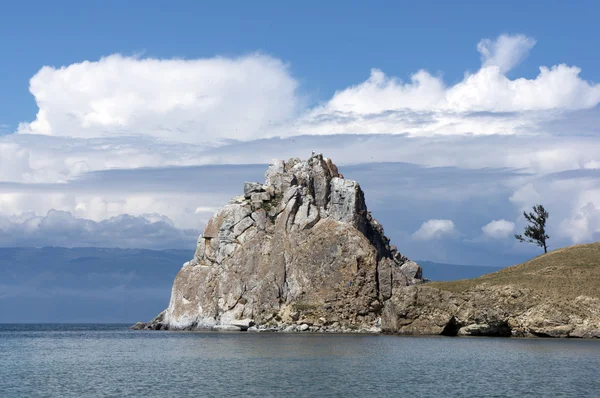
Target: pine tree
x=536, y=231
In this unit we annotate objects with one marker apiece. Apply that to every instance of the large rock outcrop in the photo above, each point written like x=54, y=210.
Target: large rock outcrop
x=554, y=295
x=299, y=252
x=486, y=310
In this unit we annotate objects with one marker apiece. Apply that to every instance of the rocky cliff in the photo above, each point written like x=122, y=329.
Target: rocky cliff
x=299, y=252
x=554, y=295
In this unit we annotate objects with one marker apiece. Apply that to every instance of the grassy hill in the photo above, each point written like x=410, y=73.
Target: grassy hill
x=563, y=274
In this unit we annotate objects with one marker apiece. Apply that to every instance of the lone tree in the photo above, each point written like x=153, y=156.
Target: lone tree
x=536, y=231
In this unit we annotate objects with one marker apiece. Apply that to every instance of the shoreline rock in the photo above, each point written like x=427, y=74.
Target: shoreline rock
x=498, y=311
x=300, y=249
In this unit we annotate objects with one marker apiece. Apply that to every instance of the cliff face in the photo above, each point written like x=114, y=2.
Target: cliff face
x=554, y=295
x=299, y=252
x=486, y=310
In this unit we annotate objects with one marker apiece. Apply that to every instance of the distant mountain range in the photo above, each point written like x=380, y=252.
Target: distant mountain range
x=55, y=284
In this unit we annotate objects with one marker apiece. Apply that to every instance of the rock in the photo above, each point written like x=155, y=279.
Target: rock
x=300, y=248
x=412, y=271
x=247, y=235
x=158, y=323
x=252, y=187
x=139, y=326
x=243, y=324
x=384, y=274
x=278, y=177
x=227, y=328
x=500, y=329
x=304, y=327
x=347, y=202
x=484, y=310
x=242, y=226
x=220, y=224
x=586, y=332
x=307, y=215
x=260, y=197
x=260, y=219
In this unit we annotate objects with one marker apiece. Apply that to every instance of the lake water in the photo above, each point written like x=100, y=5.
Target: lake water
x=110, y=360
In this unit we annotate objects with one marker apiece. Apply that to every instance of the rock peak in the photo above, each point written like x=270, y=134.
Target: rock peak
x=299, y=252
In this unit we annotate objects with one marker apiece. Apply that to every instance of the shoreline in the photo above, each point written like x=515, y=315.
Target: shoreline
x=339, y=331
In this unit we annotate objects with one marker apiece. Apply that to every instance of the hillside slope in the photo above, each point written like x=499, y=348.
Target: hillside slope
x=553, y=295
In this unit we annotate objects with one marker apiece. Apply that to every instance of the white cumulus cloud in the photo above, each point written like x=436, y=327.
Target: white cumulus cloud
x=207, y=100
x=498, y=229
x=434, y=229
x=484, y=102
x=505, y=52
x=582, y=224
x=174, y=99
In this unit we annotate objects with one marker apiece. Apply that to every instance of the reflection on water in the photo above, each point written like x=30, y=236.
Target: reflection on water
x=101, y=360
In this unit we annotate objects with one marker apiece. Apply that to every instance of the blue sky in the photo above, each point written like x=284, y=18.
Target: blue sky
x=128, y=123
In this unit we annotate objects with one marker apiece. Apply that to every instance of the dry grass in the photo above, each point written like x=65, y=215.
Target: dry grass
x=565, y=273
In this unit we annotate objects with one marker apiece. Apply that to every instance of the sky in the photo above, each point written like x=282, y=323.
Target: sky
x=126, y=124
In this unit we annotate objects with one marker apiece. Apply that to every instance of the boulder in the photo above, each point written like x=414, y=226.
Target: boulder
x=303, y=328
x=412, y=271
x=139, y=326
x=227, y=328
x=243, y=324
x=252, y=187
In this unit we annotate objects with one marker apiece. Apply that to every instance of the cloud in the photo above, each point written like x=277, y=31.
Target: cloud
x=438, y=179
x=208, y=100
x=505, y=52
x=498, y=229
x=584, y=223
x=40, y=159
x=59, y=228
x=485, y=102
x=186, y=195
x=172, y=99
x=180, y=207
x=137, y=136
x=435, y=229
x=14, y=162
x=526, y=196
